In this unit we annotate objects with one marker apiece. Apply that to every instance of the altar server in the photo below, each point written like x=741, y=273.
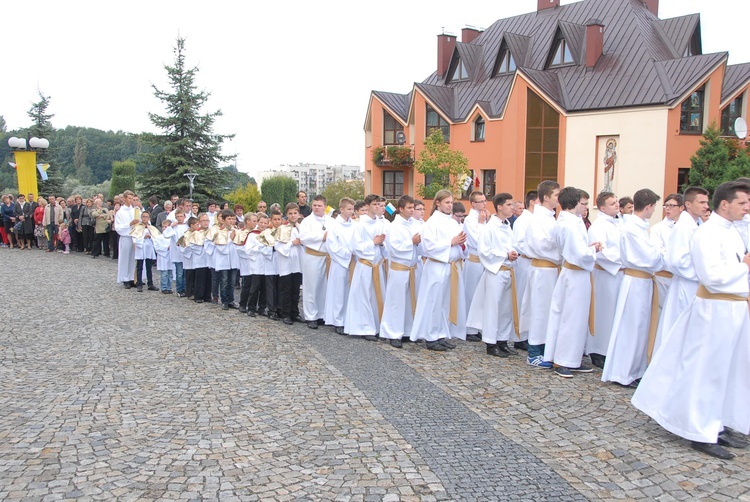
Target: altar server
x=338, y=243
x=125, y=219
x=474, y=223
x=523, y=264
x=315, y=262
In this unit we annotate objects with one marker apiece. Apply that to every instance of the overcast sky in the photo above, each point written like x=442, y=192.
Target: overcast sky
x=293, y=78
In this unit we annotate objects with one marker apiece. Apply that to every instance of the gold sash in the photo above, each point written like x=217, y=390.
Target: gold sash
x=412, y=282
x=453, y=313
x=727, y=297
x=664, y=274
x=320, y=254
x=376, y=283
x=352, y=266
x=539, y=263
x=474, y=258
x=654, y=321
x=514, y=297
x=570, y=266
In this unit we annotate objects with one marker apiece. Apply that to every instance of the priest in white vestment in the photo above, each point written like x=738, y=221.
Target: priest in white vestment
x=699, y=382
x=125, y=219
x=607, y=272
x=441, y=301
x=632, y=328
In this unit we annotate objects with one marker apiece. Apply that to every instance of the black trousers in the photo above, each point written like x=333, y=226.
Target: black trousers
x=189, y=282
x=253, y=294
x=88, y=237
x=99, y=241
x=114, y=243
x=202, y=289
x=149, y=272
x=289, y=294
x=272, y=293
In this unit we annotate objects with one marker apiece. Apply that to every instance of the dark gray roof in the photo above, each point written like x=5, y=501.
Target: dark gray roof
x=641, y=65
x=734, y=78
x=398, y=103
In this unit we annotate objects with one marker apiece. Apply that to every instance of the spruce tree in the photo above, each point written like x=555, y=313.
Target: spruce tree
x=41, y=127
x=186, y=142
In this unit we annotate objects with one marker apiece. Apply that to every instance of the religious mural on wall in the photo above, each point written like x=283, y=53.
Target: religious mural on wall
x=607, y=166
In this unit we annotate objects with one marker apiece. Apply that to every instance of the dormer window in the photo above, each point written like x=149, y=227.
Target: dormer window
x=505, y=62
x=694, y=46
x=460, y=72
x=561, y=56
x=479, y=129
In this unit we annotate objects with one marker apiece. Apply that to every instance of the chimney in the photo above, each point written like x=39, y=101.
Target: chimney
x=446, y=44
x=594, y=42
x=652, y=5
x=547, y=4
x=469, y=34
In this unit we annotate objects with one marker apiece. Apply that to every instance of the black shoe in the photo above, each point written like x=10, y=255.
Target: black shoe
x=494, y=350
x=712, y=449
x=199, y=300
x=297, y=318
x=224, y=306
x=597, y=360
x=582, y=369
x=473, y=338
x=274, y=316
x=139, y=289
x=166, y=291
x=252, y=313
x=370, y=338
x=243, y=310
x=180, y=294
x=405, y=339
x=445, y=343
x=288, y=320
x=396, y=343
x=731, y=439
x=564, y=372
x=436, y=346
x=321, y=322
x=524, y=345
x=127, y=285
x=153, y=288
x=340, y=330
x=503, y=346
x=232, y=306
x=312, y=325
x=94, y=256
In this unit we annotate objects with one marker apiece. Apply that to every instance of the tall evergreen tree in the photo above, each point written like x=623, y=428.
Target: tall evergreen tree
x=41, y=127
x=187, y=142
x=80, y=155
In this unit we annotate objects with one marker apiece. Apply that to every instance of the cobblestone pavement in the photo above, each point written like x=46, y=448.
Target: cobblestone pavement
x=109, y=394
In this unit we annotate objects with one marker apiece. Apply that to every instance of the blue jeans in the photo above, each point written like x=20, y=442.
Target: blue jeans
x=179, y=277
x=166, y=280
x=226, y=279
x=52, y=229
x=536, y=350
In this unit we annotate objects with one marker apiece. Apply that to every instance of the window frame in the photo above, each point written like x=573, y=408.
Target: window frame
x=477, y=137
x=386, y=130
x=504, y=58
x=442, y=124
x=687, y=110
x=727, y=128
x=459, y=66
x=486, y=183
x=393, y=194
x=561, y=46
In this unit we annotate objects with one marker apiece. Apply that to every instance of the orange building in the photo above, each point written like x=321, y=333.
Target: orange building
x=562, y=93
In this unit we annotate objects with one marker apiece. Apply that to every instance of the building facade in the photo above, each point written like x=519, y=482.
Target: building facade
x=598, y=94
x=313, y=178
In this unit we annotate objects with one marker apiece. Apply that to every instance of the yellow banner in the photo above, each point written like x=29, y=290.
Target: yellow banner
x=26, y=172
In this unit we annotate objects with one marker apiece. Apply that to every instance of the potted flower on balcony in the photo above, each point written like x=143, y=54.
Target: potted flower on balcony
x=377, y=155
x=399, y=155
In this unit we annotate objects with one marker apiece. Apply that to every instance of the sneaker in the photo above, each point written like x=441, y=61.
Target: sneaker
x=582, y=369
x=224, y=306
x=66, y=252
x=538, y=362
x=563, y=372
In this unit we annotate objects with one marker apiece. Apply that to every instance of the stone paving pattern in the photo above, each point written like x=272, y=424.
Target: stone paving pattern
x=110, y=394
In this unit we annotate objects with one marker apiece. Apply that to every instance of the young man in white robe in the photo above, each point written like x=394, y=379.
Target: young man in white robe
x=698, y=383
x=441, y=301
x=542, y=248
x=684, y=282
x=608, y=274
x=338, y=243
x=174, y=232
x=662, y=231
x=364, y=307
x=400, y=295
x=568, y=325
x=143, y=234
x=636, y=313
x=474, y=223
x=125, y=219
x=287, y=248
x=492, y=309
x=523, y=265
x=417, y=221
x=315, y=262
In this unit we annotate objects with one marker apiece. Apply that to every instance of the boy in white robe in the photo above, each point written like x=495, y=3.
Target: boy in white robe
x=523, y=264
x=474, y=223
x=338, y=243
x=315, y=262
x=143, y=234
x=662, y=232
x=187, y=256
x=163, y=259
x=568, y=324
x=492, y=310
x=174, y=232
x=684, y=282
x=287, y=248
x=253, y=293
x=400, y=294
x=197, y=243
x=417, y=221
x=364, y=307
x=698, y=383
x=608, y=274
x=441, y=301
x=636, y=312
x=125, y=219
x=542, y=248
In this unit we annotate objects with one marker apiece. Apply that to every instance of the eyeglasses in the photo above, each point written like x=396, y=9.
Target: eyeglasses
x=670, y=206
x=479, y=201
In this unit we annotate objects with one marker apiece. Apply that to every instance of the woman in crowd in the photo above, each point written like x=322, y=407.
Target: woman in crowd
x=7, y=211
x=25, y=217
x=41, y=237
x=86, y=225
x=114, y=237
x=101, y=218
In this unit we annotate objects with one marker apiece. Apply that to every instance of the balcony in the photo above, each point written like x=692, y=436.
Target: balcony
x=393, y=156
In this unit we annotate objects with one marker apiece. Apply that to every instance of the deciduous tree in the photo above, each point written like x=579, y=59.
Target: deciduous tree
x=443, y=168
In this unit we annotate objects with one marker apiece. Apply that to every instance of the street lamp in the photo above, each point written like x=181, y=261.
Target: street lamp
x=191, y=177
x=26, y=166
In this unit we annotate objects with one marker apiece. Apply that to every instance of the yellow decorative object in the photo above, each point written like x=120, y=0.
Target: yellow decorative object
x=26, y=172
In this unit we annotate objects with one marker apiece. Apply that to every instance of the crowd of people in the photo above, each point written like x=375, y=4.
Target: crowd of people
x=661, y=308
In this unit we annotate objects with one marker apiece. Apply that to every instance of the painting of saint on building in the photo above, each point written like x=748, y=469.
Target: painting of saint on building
x=607, y=165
